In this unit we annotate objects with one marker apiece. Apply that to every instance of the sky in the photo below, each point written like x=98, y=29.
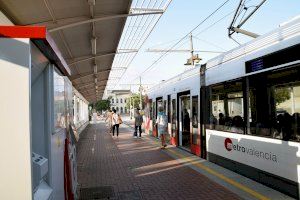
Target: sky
x=182, y=16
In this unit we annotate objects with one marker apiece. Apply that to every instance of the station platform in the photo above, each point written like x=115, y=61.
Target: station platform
x=128, y=168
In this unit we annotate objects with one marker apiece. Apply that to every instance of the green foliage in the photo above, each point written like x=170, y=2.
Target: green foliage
x=135, y=101
x=102, y=105
x=281, y=95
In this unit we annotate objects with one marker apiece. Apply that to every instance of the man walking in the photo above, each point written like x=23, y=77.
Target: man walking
x=138, y=121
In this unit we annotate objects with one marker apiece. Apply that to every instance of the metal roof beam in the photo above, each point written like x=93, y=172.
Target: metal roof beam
x=89, y=83
x=86, y=85
x=99, y=18
x=73, y=78
x=79, y=76
x=86, y=90
x=133, y=10
x=86, y=58
x=180, y=50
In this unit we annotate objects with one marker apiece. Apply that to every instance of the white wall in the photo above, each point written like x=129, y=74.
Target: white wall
x=15, y=152
x=81, y=112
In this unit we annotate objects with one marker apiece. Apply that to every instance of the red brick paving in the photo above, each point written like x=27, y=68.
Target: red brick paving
x=134, y=165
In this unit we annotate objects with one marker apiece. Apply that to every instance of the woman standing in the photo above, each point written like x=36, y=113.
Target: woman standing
x=162, y=125
x=116, y=121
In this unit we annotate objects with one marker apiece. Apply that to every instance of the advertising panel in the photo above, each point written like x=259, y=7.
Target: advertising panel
x=274, y=156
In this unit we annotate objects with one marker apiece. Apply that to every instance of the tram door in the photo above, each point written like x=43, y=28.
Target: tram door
x=159, y=103
x=184, y=121
x=174, y=129
x=203, y=120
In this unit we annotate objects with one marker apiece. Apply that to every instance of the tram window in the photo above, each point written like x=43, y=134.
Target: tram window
x=160, y=104
x=274, y=105
x=195, y=119
x=227, y=112
x=150, y=109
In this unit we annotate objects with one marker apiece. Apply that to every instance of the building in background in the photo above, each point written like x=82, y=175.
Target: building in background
x=118, y=100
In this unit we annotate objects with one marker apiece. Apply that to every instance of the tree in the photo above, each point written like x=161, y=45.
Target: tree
x=135, y=101
x=281, y=95
x=102, y=105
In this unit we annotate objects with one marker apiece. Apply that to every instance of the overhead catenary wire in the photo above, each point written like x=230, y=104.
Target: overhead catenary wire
x=126, y=37
x=131, y=33
x=136, y=45
x=130, y=40
x=173, y=46
x=140, y=38
x=205, y=29
x=210, y=43
x=134, y=55
x=147, y=32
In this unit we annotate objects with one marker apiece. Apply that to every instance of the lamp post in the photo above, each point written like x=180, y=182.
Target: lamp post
x=140, y=90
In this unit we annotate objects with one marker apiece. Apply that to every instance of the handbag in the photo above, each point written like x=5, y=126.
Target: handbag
x=119, y=120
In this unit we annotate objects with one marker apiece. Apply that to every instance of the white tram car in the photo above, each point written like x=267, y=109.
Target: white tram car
x=241, y=109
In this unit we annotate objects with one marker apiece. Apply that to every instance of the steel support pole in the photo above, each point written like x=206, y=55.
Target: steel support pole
x=141, y=105
x=192, y=49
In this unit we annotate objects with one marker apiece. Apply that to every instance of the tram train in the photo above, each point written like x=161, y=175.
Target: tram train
x=240, y=110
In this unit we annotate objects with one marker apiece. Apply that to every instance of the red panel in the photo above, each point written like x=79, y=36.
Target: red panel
x=154, y=132
x=195, y=149
x=34, y=32
x=173, y=141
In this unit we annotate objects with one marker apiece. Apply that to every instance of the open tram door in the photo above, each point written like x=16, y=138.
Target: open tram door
x=184, y=113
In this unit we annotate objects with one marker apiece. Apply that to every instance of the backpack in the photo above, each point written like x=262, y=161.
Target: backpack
x=120, y=121
x=163, y=120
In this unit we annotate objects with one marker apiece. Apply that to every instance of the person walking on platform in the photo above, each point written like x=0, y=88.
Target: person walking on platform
x=162, y=125
x=116, y=121
x=109, y=120
x=138, y=121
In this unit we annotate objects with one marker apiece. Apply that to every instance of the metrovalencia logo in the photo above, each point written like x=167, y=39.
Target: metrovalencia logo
x=230, y=146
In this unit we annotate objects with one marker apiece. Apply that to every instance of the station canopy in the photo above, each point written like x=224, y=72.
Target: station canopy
x=87, y=33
